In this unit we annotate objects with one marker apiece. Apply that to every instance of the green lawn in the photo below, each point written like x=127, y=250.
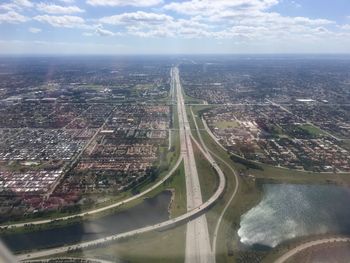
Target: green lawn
x=167, y=246
x=227, y=124
x=346, y=144
x=178, y=183
x=207, y=175
x=191, y=100
x=317, y=132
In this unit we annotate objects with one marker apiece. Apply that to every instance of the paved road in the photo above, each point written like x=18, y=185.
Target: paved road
x=98, y=210
x=76, y=157
x=306, y=121
x=164, y=225
x=197, y=236
x=66, y=259
x=302, y=247
x=216, y=231
x=191, y=216
x=218, y=223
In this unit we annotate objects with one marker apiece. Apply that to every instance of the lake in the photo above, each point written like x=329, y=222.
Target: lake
x=151, y=211
x=288, y=211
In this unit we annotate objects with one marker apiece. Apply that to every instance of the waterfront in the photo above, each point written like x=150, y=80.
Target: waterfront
x=150, y=211
x=288, y=211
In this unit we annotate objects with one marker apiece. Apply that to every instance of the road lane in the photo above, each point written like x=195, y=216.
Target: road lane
x=307, y=245
x=197, y=236
x=200, y=245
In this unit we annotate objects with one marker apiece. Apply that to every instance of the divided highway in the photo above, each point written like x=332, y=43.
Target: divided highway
x=161, y=226
x=208, y=154
x=197, y=239
x=197, y=236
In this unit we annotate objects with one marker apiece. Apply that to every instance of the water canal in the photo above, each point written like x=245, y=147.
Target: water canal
x=150, y=211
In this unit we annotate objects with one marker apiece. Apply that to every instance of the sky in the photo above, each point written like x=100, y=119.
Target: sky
x=174, y=27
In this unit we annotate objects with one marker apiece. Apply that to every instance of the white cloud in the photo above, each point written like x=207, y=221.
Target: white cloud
x=209, y=7
x=136, y=18
x=54, y=47
x=34, y=30
x=16, y=5
x=221, y=22
x=8, y=7
x=57, y=9
x=104, y=33
x=67, y=1
x=154, y=25
x=24, y=3
x=234, y=21
x=248, y=19
x=100, y=31
x=62, y=21
x=88, y=34
x=12, y=18
x=312, y=22
x=345, y=27
x=139, y=3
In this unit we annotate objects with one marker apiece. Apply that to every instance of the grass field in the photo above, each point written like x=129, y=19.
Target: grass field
x=227, y=124
x=317, y=132
x=249, y=194
x=346, y=144
x=167, y=246
x=207, y=176
x=178, y=183
x=191, y=100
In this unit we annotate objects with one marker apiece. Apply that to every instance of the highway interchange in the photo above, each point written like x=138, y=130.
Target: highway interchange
x=198, y=247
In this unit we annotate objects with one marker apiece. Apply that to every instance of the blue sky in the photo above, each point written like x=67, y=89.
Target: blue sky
x=174, y=27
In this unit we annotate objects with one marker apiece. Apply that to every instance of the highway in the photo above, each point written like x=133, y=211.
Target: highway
x=194, y=237
x=66, y=259
x=198, y=248
x=197, y=235
x=307, y=245
x=216, y=231
x=161, y=226
x=218, y=223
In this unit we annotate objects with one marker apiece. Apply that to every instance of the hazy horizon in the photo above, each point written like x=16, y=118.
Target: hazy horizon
x=113, y=27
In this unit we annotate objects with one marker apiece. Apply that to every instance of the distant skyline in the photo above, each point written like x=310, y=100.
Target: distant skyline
x=174, y=27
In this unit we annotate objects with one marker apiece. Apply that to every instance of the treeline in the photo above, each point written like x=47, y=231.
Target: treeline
x=246, y=163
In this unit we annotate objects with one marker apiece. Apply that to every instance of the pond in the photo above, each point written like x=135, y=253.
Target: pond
x=288, y=211
x=151, y=211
